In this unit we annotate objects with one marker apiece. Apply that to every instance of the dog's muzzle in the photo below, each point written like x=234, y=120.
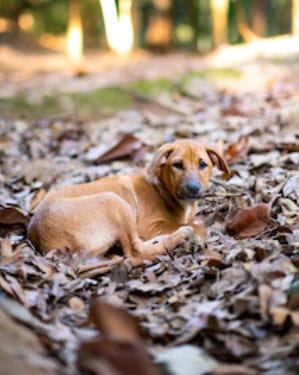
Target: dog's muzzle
x=190, y=190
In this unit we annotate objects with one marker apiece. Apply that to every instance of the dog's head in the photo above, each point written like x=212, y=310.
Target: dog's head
x=184, y=168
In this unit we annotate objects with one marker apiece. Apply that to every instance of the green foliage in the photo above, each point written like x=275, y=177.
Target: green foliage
x=104, y=101
x=151, y=88
x=94, y=103
x=54, y=20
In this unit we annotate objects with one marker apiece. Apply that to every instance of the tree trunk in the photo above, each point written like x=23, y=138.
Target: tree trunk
x=219, y=9
x=118, y=27
x=258, y=17
x=159, y=31
x=192, y=9
x=75, y=34
x=295, y=17
x=243, y=27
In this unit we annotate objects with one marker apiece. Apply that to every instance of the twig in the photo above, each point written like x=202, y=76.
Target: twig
x=89, y=270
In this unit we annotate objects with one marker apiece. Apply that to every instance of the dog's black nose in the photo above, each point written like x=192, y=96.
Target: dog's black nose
x=193, y=187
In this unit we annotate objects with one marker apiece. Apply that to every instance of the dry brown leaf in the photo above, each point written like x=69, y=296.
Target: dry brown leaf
x=36, y=198
x=21, y=351
x=76, y=303
x=18, y=289
x=264, y=297
x=279, y=314
x=210, y=253
x=114, y=322
x=295, y=317
x=230, y=369
x=119, y=350
x=6, y=249
x=237, y=151
x=288, y=146
x=10, y=215
x=123, y=146
x=6, y=286
x=108, y=357
x=249, y=222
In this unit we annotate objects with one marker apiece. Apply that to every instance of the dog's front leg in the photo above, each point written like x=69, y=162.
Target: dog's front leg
x=163, y=244
x=199, y=229
x=143, y=250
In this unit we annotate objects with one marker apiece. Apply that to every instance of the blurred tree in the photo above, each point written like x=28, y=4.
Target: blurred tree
x=243, y=27
x=219, y=10
x=160, y=25
x=185, y=18
x=75, y=34
x=157, y=23
x=295, y=17
x=258, y=17
x=118, y=24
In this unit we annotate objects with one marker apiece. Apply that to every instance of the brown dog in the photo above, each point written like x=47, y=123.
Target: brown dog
x=130, y=209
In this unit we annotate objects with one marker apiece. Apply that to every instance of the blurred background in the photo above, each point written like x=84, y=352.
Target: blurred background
x=125, y=25
x=70, y=46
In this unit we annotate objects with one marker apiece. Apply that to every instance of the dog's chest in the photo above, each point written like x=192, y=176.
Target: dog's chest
x=187, y=214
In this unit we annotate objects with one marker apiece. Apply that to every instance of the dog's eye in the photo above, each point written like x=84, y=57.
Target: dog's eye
x=202, y=164
x=178, y=165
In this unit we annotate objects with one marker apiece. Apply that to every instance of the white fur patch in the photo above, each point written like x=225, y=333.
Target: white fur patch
x=188, y=211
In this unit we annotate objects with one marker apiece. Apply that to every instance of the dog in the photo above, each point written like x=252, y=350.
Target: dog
x=148, y=213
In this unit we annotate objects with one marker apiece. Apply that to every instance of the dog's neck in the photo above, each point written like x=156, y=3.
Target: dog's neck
x=184, y=211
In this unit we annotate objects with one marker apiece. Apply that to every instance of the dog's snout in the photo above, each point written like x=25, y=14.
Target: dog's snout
x=193, y=187
x=189, y=189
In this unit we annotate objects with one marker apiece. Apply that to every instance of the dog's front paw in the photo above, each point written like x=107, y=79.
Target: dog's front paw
x=186, y=232
x=179, y=237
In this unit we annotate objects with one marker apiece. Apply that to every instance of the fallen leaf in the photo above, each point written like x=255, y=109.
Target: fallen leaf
x=36, y=198
x=6, y=249
x=238, y=346
x=76, y=303
x=119, y=350
x=277, y=266
x=230, y=369
x=237, y=151
x=186, y=359
x=264, y=296
x=288, y=146
x=10, y=215
x=249, y=222
x=123, y=146
x=21, y=351
x=291, y=186
x=114, y=322
x=279, y=314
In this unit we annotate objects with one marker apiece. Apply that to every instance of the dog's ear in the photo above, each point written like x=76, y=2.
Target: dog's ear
x=159, y=159
x=218, y=160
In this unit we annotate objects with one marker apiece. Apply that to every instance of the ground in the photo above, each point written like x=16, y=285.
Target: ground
x=236, y=297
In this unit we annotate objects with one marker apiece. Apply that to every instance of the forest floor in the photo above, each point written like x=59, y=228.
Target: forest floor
x=234, y=302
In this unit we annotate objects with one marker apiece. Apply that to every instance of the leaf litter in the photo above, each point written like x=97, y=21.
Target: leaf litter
x=231, y=307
